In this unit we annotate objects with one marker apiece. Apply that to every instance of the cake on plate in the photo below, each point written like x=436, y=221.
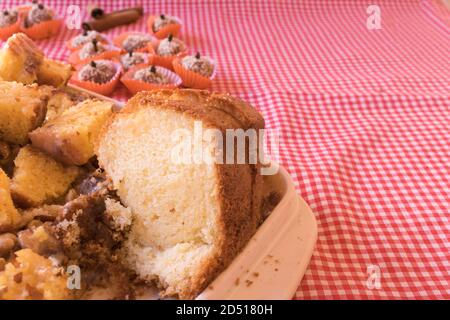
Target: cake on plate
x=190, y=220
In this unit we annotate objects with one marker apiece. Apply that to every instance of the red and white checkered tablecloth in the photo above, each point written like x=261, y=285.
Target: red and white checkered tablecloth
x=365, y=123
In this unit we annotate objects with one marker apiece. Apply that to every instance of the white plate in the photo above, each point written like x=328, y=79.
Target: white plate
x=274, y=261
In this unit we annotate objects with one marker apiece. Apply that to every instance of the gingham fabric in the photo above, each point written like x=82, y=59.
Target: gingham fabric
x=364, y=119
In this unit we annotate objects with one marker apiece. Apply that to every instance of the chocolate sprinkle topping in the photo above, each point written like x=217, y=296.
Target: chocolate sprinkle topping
x=170, y=37
x=93, y=64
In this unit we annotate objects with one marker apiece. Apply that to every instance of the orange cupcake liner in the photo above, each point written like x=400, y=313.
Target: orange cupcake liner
x=72, y=48
x=41, y=30
x=192, y=79
x=173, y=29
x=8, y=31
x=74, y=58
x=134, y=86
x=117, y=41
x=24, y=8
x=104, y=89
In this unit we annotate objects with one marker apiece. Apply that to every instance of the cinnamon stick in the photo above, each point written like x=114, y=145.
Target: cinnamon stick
x=114, y=19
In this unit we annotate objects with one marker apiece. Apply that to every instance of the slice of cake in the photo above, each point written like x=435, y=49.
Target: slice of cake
x=22, y=109
x=22, y=61
x=39, y=179
x=190, y=219
x=54, y=73
x=70, y=136
x=58, y=102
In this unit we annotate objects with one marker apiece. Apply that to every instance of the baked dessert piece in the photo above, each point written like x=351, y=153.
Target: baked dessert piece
x=22, y=109
x=86, y=231
x=22, y=61
x=53, y=73
x=31, y=276
x=58, y=102
x=9, y=216
x=70, y=137
x=8, y=153
x=189, y=219
x=39, y=179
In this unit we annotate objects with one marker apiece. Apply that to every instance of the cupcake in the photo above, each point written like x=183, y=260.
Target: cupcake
x=87, y=36
x=40, y=21
x=131, y=59
x=149, y=77
x=9, y=23
x=167, y=50
x=100, y=76
x=161, y=26
x=195, y=71
x=133, y=41
x=93, y=50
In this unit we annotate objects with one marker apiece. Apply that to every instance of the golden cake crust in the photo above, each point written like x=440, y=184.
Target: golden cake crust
x=240, y=185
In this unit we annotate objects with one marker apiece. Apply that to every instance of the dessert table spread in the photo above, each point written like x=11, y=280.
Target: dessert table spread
x=364, y=122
